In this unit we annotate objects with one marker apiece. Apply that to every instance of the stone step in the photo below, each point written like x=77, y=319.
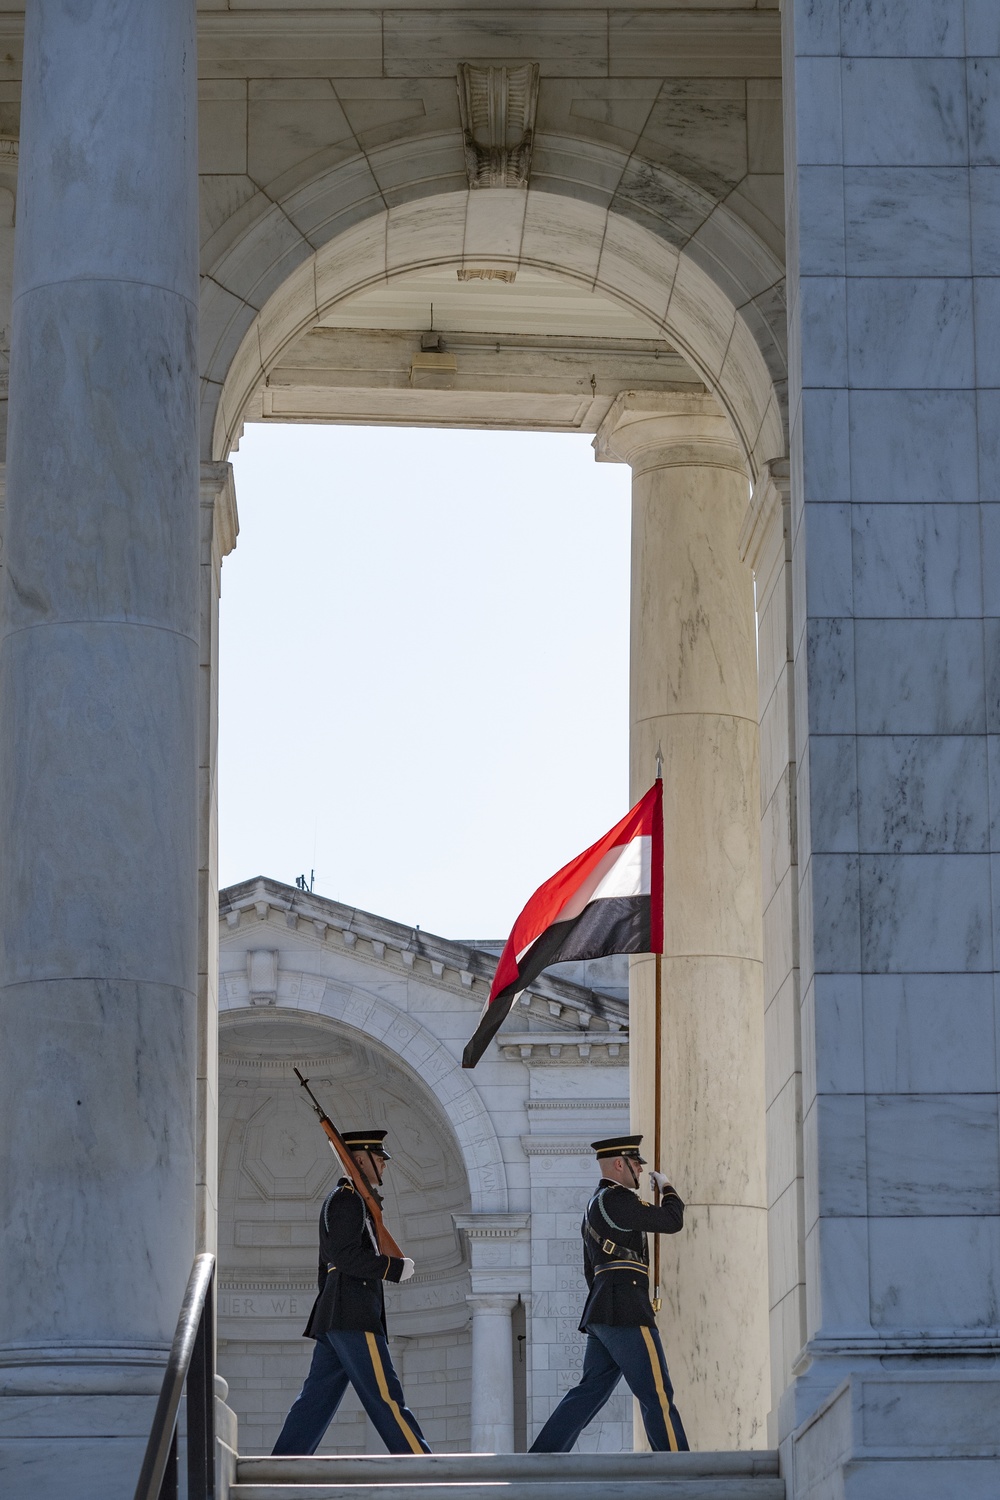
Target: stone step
x=525, y=1476
x=444, y=1468
x=724, y=1487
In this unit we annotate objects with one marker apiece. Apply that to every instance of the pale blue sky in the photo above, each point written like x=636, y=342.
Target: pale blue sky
x=424, y=666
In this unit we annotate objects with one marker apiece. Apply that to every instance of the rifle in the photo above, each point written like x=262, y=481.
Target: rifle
x=340, y=1148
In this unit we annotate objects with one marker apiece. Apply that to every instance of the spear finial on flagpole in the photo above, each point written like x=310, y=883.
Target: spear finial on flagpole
x=659, y=762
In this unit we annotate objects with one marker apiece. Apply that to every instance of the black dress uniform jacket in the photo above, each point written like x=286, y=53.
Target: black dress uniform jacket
x=616, y=1255
x=351, y=1267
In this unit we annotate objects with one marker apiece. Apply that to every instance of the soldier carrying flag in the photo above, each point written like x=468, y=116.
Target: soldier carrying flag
x=622, y=1337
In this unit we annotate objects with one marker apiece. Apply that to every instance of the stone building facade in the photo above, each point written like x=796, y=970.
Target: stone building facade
x=752, y=248
x=489, y=1175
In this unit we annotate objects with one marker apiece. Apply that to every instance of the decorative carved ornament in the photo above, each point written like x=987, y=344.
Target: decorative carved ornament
x=485, y=273
x=498, y=123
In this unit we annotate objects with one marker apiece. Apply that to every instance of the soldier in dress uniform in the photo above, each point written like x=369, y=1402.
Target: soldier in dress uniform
x=622, y=1337
x=348, y=1319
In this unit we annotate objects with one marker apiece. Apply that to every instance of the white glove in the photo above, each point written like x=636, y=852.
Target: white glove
x=659, y=1182
x=408, y=1269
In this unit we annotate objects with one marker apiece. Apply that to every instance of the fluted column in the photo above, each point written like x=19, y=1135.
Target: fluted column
x=694, y=694
x=99, y=661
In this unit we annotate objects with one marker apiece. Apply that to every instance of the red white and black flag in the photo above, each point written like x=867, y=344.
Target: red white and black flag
x=607, y=900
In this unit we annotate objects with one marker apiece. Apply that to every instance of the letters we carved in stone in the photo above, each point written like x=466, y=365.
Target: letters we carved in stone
x=498, y=123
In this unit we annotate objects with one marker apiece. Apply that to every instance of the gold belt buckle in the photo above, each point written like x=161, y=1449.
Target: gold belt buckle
x=609, y=1247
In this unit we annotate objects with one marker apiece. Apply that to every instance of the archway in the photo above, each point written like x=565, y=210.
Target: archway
x=710, y=303
x=718, y=300
x=275, y=1169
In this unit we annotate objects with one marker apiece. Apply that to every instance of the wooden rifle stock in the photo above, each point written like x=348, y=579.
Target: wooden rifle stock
x=386, y=1243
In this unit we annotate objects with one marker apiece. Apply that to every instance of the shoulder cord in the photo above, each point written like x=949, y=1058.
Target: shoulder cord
x=598, y=1198
x=624, y=1254
x=368, y=1222
x=326, y=1211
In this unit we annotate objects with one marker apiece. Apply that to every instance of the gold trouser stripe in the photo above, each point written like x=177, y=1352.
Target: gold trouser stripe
x=658, y=1382
x=383, y=1390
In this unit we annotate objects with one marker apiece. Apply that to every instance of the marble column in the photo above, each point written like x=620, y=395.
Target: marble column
x=99, y=653
x=219, y=529
x=694, y=693
x=492, y=1424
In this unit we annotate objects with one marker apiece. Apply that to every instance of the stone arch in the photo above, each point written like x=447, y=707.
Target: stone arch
x=426, y=1059
x=652, y=240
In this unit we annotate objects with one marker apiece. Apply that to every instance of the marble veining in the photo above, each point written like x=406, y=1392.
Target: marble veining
x=923, y=794
x=918, y=561
x=933, y=1154
x=927, y=125
x=929, y=1033
x=926, y=912
x=920, y=677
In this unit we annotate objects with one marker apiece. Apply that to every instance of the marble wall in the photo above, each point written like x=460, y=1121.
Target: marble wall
x=893, y=148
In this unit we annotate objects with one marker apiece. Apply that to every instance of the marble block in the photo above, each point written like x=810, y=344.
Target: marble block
x=934, y=28
x=985, y=205
x=828, y=788
x=916, y=446
x=907, y=221
x=835, y=1157
x=836, y=1255
x=917, y=561
x=833, y=1018
x=935, y=1273
x=920, y=677
x=933, y=1154
x=827, y=561
x=929, y=1033
x=931, y=344
x=926, y=912
x=928, y=123
x=923, y=794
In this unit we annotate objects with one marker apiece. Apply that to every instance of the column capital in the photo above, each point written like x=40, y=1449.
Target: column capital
x=660, y=429
x=492, y=1302
x=217, y=491
x=765, y=537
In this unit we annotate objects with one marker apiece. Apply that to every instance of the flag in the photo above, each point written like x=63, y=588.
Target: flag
x=607, y=900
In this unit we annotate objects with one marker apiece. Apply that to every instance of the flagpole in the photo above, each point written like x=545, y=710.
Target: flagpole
x=658, y=1013
x=657, y=1057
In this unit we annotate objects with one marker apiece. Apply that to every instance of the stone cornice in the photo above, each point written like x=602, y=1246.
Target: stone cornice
x=459, y=967
x=562, y=1048
x=492, y=1226
x=555, y=1145
x=590, y=1105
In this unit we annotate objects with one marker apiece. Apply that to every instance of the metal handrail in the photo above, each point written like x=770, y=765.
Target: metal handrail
x=192, y=1359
